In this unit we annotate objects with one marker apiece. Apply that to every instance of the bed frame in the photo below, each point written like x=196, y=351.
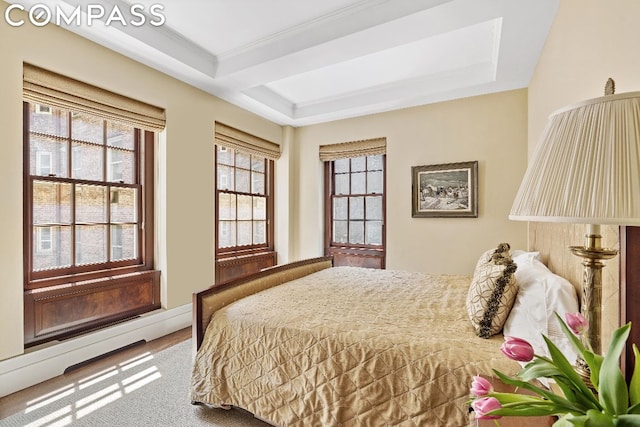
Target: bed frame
x=208, y=301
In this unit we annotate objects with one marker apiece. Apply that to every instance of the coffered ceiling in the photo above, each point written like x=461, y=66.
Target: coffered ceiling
x=300, y=62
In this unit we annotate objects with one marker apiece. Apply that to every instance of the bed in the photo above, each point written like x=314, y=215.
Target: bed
x=309, y=344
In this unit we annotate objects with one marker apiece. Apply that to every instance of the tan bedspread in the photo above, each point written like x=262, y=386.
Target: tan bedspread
x=348, y=346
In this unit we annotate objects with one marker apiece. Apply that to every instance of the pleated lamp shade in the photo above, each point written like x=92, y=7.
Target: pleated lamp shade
x=586, y=170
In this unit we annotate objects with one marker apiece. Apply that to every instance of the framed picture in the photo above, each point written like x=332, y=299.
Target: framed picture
x=445, y=190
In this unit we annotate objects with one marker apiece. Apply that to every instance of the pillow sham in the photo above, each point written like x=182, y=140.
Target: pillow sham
x=541, y=294
x=492, y=291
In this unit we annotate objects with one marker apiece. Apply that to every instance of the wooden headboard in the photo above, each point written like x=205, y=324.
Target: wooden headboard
x=208, y=301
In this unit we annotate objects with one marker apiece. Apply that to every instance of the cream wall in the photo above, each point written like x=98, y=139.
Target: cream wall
x=185, y=161
x=589, y=41
x=491, y=129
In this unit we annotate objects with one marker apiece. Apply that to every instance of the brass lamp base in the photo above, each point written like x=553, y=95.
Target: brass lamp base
x=591, y=305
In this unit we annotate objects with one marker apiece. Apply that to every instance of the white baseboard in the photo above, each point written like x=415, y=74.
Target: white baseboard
x=42, y=364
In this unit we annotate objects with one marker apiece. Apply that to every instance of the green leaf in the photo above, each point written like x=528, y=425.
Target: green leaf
x=539, y=368
x=570, y=420
x=528, y=409
x=634, y=409
x=570, y=374
x=595, y=363
x=628, y=420
x=634, y=385
x=598, y=419
x=613, y=392
x=563, y=404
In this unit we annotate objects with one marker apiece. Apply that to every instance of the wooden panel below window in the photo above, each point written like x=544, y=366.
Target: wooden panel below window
x=357, y=257
x=60, y=311
x=228, y=269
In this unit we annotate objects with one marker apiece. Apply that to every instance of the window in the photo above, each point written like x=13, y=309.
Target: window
x=244, y=199
x=43, y=163
x=82, y=204
x=88, y=206
x=355, y=202
x=45, y=244
x=43, y=109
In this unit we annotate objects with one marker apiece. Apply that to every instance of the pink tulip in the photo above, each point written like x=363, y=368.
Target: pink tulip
x=483, y=405
x=481, y=386
x=517, y=349
x=577, y=323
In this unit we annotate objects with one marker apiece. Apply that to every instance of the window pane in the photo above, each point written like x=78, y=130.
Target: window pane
x=49, y=120
x=225, y=178
x=243, y=184
x=245, y=233
x=48, y=156
x=356, y=232
x=374, y=233
x=243, y=160
x=225, y=156
x=257, y=164
x=88, y=128
x=259, y=232
x=124, y=243
x=340, y=231
x=340, y=208
x=226, y=206
x=51, y=203
x=358, y=164
x=91, y=244
x=374, y=163
x=245, y=207
x=358, y=183
x=120, y=166
x=86, y=162
x=91, y=204
x=226, y=234
x=257, y=183
x=356, y=207
x=59, y=254
x=374, y=207
x=341, y=166
x=342, y=184
x=374, y=182
x=120, y=135
x=260, y=208
x=124, y=202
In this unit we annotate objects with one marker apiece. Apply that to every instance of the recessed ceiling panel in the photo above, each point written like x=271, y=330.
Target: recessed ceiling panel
x=459, y=49
x=221, y=26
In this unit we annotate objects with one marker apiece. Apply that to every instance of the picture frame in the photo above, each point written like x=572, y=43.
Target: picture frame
x=445, y=190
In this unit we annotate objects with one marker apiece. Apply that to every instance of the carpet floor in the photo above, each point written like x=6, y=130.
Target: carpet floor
x=149, y=390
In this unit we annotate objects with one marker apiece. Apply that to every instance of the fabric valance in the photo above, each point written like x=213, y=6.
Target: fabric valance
x=46, y=87
x=365, y=147
x=238, y=140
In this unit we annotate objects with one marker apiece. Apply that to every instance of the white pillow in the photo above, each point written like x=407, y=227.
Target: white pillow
x=541, y=294
x=525, y=255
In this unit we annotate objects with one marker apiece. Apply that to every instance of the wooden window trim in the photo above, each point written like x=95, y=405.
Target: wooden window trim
x=329, y=185
x=144, y=177
x=236, y=251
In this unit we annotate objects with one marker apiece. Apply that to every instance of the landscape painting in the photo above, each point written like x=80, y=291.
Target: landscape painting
x=445, y=190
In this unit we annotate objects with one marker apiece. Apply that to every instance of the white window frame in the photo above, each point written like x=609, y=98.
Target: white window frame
x=44, y=160
x=45, y=244
x=44, y=109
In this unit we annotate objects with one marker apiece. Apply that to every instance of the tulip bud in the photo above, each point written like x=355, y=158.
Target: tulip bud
x=577, y=323
x=480, y=386
x=517, y=349
x=483, y=405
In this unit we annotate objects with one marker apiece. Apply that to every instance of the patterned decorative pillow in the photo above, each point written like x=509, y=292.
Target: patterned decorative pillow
x=492, y=292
